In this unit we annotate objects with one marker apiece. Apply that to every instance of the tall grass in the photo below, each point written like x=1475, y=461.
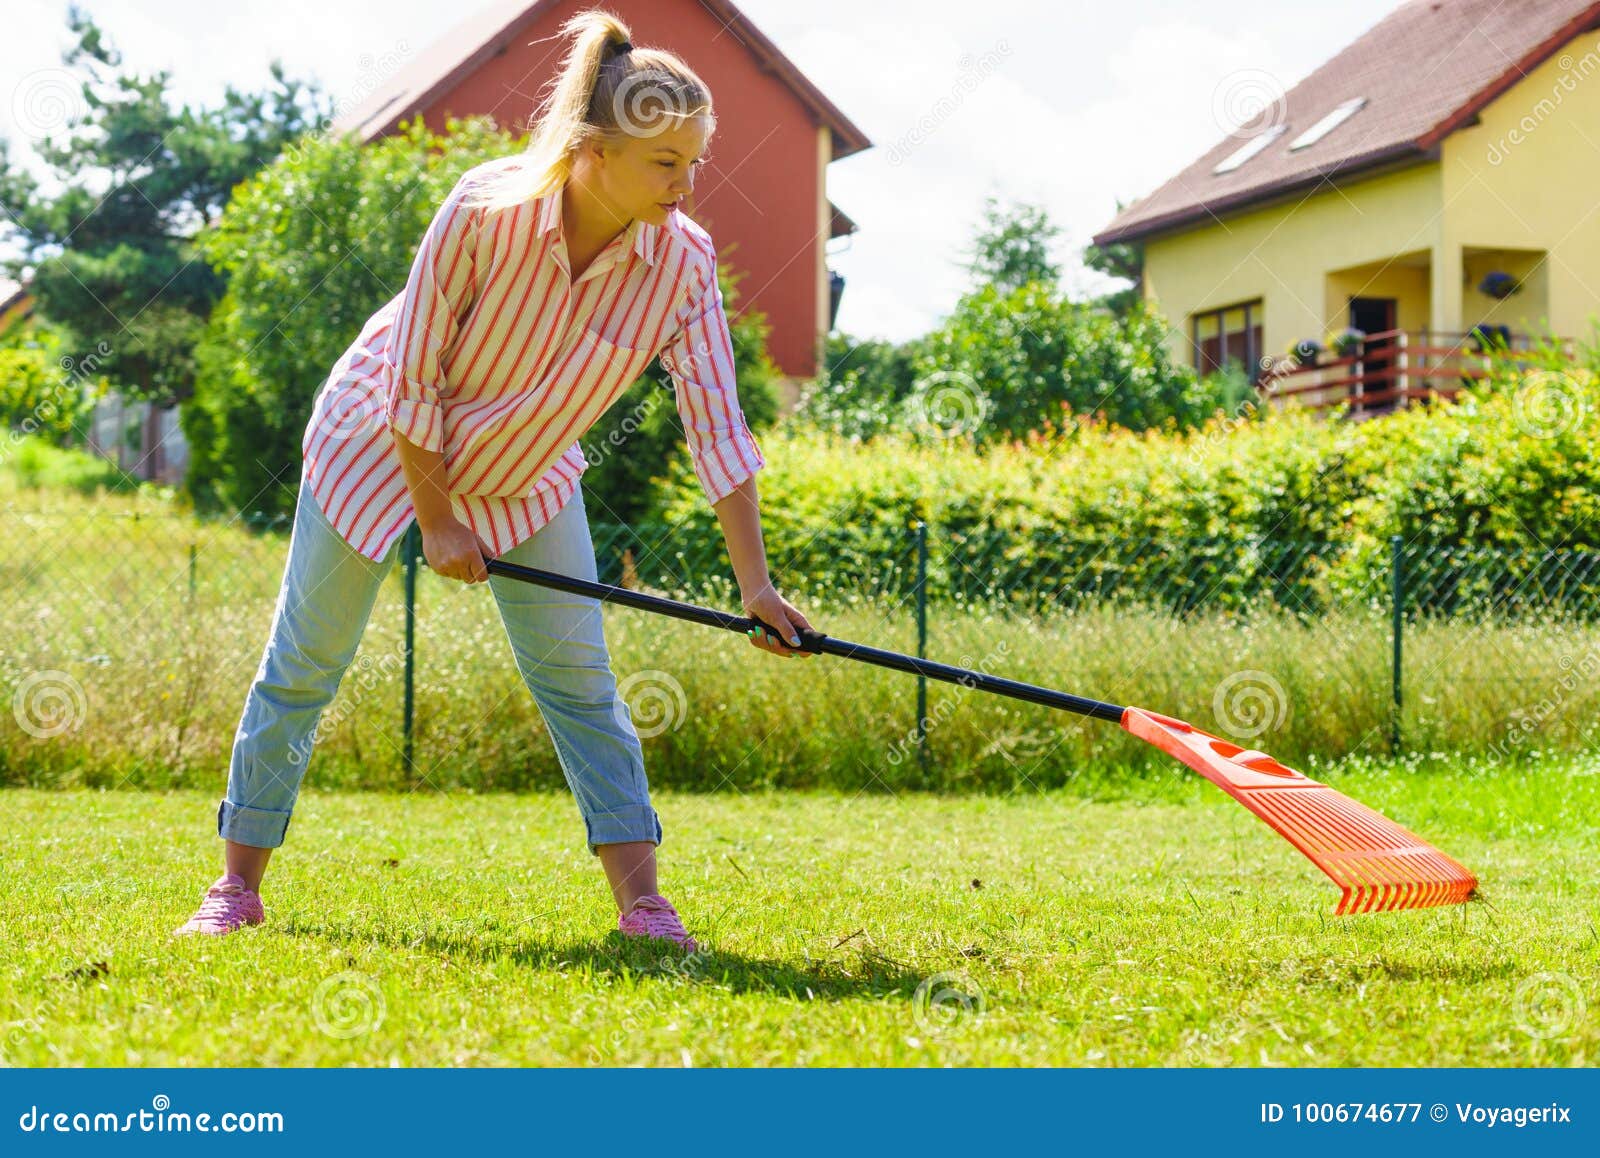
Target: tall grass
x=139, y=679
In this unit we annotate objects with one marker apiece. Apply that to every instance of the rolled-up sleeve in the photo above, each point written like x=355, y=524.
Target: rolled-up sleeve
x=437, y=296
x=700, y=359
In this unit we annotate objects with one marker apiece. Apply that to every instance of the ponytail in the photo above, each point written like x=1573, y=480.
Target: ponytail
x=606, y=91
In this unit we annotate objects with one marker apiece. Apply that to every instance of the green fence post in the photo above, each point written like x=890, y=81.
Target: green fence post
x=1397, y=596
x=922, y=644
x=411, y=551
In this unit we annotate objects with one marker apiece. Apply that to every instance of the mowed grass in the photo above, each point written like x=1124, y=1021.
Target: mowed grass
x=1144, y=923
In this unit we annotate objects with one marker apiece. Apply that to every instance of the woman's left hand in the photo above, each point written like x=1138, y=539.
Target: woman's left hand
x=773, y=609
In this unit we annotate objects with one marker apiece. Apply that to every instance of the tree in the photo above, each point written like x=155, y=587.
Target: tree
x=119, y=266
x=1012, y=247
x=1005, y=363
x=1124, y=259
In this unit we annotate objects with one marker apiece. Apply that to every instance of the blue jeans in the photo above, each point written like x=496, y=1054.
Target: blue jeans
x=328, y=592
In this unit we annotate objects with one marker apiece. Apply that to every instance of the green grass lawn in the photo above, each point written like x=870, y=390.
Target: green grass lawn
x=1143, y=923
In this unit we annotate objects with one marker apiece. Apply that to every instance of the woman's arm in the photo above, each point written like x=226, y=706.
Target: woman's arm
x=739, y=513
x=426, y=479
x=451, y=548
x=726, y=457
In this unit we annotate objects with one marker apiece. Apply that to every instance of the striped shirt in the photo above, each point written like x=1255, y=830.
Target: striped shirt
x=494, y=356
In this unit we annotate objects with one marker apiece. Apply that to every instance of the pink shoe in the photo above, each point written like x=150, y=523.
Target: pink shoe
x=652, y=915
x=228, y=904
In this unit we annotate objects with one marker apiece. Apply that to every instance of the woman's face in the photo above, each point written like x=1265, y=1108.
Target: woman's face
x=648, y=176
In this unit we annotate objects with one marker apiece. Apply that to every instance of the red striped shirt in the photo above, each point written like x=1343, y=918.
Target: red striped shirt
x=494, y=356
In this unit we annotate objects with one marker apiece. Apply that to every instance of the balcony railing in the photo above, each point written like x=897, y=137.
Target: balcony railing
x=1388, y=370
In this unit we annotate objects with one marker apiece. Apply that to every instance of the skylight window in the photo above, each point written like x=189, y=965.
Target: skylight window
x=1327, y=124
x=1249, y=149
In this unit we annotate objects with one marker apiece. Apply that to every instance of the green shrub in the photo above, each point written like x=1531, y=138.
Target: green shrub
x=1030, y=355
x=862, y=387
x=31, y=463
x=38, y=395
x=1193, y=516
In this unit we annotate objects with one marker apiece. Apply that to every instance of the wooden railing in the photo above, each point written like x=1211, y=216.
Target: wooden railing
x=1388, y=370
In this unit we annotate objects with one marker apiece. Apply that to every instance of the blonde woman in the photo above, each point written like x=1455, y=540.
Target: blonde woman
x=544, y=286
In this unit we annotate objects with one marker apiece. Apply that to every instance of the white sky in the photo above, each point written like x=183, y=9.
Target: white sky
x=1068, y=103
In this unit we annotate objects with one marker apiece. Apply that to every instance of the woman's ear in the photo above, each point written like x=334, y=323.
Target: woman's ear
x=595, y=151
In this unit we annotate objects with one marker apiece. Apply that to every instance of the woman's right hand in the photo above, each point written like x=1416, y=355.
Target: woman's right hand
x=455, y=551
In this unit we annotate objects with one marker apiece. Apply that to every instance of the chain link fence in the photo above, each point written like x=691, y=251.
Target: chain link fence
x=180, y=606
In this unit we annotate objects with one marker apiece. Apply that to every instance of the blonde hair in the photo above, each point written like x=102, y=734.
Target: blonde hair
x=600, y=95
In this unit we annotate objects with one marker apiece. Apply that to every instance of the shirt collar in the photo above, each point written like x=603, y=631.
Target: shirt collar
x=644, y=234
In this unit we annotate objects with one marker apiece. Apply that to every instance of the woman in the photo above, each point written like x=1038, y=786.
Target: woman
x=544, y=286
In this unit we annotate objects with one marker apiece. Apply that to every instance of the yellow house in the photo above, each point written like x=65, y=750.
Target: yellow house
x=1455, y=140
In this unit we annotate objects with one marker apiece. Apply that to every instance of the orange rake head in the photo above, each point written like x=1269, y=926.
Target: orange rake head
x=1378, y=864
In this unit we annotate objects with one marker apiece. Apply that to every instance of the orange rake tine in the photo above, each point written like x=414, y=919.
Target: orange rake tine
x=1378, y=865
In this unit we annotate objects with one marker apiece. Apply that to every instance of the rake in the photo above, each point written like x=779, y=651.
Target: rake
x=1379, y=865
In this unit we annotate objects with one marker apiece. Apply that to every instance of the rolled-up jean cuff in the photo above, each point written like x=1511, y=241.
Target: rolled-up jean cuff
x=635, y=822
x=257, y=827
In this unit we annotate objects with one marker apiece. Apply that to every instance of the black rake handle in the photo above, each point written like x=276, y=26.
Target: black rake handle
x=813, y=641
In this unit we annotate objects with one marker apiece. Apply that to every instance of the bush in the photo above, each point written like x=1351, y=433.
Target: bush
x=38, y=397
x=862, y=387
x=1508, y=465
x=34, y=464
x=1028, y=356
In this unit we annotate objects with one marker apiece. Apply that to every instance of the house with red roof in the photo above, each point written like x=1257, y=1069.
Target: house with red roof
x=1426, y=193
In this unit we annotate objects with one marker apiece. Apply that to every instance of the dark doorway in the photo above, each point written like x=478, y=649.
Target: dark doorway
x=1378, y=391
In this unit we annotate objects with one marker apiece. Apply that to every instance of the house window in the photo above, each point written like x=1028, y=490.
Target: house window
x=1228, y=335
